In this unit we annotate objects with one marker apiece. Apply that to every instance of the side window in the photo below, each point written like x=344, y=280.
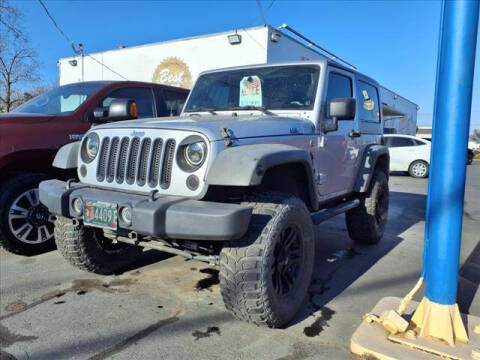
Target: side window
x=160, y=101
x=339, y=86
x=387, y=141
x=400, y=142
x=418, y=142
x=367, y=99
x=142, y=96
x=174, y=101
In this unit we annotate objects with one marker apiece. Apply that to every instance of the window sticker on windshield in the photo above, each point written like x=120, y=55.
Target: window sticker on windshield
x=368, y=104
x=250, y=91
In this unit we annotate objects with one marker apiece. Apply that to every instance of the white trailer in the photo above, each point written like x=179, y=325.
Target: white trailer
x=178, y=63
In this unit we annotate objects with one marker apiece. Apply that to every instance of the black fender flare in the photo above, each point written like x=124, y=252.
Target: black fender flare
x=370, y=157
x=246, y=165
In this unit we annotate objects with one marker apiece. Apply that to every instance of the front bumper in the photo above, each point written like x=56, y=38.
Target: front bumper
x=170, y=217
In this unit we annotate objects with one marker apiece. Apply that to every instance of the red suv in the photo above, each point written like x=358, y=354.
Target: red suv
x=31, y=134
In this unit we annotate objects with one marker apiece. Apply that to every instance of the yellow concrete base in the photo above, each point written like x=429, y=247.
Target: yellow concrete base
x=442, y=322
x=373, y=340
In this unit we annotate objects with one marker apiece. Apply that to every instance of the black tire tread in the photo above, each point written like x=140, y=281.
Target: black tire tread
x=71, y=238
x=360, y=220
x=243, y=286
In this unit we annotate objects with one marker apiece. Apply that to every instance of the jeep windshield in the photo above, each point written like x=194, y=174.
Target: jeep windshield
x=63, y=100
x=262, y=89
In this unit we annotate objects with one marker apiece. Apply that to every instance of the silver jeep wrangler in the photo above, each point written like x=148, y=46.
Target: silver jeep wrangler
x=259, y=155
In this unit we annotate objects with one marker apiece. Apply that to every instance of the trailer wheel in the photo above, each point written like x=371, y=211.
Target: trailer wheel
x=264, y=277
x=88, y=249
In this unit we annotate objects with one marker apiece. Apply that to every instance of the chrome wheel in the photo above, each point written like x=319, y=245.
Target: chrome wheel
x=29, y=221
x=419, y=169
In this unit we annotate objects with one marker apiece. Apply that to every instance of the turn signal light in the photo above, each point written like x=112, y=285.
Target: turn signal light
x=133, y=109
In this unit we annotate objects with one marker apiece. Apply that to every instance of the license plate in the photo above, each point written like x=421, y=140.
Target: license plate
x=100, y=214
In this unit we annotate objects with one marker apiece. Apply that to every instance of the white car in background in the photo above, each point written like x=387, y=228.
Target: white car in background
x=408, y=153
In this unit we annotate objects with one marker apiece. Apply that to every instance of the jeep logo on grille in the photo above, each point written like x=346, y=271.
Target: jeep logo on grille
x=137, y=133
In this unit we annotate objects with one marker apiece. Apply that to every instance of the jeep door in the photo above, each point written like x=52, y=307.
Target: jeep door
x=368, y=121
x=337, y=157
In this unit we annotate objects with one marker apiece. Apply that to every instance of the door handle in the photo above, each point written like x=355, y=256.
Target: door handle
x=354, y=134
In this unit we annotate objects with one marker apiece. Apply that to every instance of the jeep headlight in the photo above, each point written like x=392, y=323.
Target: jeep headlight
x=192, y=153
x=195, y=153
x=90, y=147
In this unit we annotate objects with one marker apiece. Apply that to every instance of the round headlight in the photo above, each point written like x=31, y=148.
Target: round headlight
x=90, y=147
x=195, y=153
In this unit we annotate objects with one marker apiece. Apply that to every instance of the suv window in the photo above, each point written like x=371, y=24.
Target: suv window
x=367, y=96
x=175, y=101
x=339, y=86
x=418, y=142
x=142, y=96
x=392, y=141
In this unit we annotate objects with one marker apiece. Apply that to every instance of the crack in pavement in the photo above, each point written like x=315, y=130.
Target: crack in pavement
x=114, y=349
x=81, y=286
x=8, y=338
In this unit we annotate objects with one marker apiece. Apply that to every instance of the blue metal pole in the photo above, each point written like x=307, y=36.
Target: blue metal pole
x=451, y=125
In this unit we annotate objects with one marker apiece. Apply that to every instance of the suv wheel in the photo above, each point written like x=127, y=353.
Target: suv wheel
x=264, y=277
x=418, y=169
x=366, y=223
x=88, y=249
x=470, y=156
x=26, y=226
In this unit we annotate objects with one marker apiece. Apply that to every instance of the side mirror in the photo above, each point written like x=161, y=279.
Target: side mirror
x=119, y=109
x=340, y=109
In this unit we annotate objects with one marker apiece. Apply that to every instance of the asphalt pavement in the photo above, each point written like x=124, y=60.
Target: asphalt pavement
x=167, y=308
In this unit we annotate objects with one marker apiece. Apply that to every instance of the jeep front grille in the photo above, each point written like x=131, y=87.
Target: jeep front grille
x=136, y=161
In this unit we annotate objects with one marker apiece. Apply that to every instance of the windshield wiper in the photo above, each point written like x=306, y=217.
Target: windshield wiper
x=259, y=108
x=209, y=110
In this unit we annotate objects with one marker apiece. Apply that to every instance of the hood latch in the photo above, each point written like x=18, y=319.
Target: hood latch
x=226, y=134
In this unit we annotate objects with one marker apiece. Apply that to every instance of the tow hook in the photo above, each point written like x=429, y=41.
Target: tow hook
x=69, y=183
x=134, y=237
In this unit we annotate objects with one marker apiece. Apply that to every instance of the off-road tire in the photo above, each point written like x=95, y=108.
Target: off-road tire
x=366, y=223
x=246, y=273
x=10, y=191
x=470, y=157
x=82, y=247
x=416, y=174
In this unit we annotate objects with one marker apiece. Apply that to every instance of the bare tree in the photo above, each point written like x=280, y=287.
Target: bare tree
x=18, y=61
x=9, y=19
x=39, y=90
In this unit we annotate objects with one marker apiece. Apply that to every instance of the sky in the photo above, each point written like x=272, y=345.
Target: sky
x=395, y=42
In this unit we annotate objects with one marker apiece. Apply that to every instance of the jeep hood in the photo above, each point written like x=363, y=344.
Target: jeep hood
x=210, y=125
